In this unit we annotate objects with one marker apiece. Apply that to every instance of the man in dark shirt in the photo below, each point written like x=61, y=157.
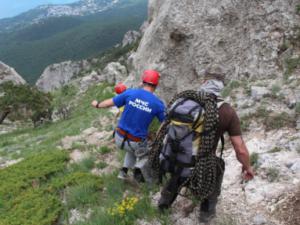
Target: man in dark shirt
x=228, y=123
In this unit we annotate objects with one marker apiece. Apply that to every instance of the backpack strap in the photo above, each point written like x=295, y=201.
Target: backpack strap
x=222, y=148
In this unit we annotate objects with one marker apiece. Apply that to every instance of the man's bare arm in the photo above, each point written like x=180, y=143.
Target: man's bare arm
x=104, y=104
x=242, y=155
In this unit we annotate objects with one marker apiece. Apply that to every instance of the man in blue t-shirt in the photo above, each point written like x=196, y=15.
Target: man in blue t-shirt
x=141, y=106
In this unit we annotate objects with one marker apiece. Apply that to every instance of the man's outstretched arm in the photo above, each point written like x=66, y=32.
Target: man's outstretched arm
x=242, y=155
x=104, y=104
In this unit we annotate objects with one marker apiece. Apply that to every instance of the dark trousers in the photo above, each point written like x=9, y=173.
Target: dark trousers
x=171, y=190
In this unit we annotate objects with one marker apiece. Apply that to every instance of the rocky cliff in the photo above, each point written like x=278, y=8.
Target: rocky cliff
x=253, y=39
x=9, y=74
x=59, y=74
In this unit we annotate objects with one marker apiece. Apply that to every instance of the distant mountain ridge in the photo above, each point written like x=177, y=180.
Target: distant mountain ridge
x=31, y=48
x=43, y=12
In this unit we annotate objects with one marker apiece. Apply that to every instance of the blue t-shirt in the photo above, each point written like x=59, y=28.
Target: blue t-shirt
x=141, y=107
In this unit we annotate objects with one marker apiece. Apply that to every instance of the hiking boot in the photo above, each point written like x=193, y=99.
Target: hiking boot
x=138, y=176
x=123, y=174
x=206, y=217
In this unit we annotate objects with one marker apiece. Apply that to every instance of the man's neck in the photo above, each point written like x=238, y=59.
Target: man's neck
x=148, y=88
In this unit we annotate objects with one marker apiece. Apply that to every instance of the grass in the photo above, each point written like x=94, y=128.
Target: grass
x=254, y=159
x=272, y=174
x=229, y=87
x=104, y=150
x=279, y=120
x=226, y=220
x=291, y=65
x=297, y=109
x=101, y=165
x=80, y=119
x=113, y=195
x=30, y=190
x=85, y=164
x=275, y=149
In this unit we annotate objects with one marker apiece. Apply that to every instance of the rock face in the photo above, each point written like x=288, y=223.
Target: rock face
x=130, y=37
x=114, y=72
x=248, y=37
x=57, y=75
x=9, y=74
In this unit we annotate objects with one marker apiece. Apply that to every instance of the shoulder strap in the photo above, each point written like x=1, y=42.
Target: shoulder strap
x=222, y=148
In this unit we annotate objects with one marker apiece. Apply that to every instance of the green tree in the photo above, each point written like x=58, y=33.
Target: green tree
x=33, y=103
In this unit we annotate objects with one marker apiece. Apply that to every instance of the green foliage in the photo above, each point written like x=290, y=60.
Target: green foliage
x=275, y=90
x=113, y=54
x=37, y=169
x=297, y=109
x=245, y=122
x=226, y=220
x=298, y=9
x=229, y=87
x=291, y=65
x=30, y=190
x=62, y=99
x=85, y=164
x=254, y=159
x=272, y=174
x=32, y=207
x=65, y=38
x=275, y=149
x=19, y=97
x=101, y=165
x=104, y=150
x=84, y=194
x=81, y=118
x=279, y=120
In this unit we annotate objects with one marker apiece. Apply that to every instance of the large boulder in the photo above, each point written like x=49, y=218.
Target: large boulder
x=9, y=74
x=182, y=39
x=114, y=73
x=59, y=74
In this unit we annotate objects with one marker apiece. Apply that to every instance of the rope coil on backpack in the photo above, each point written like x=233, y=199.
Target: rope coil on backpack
x=202, y=181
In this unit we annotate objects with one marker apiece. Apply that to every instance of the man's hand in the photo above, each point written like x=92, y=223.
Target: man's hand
x=94, y=103
x=248, y=173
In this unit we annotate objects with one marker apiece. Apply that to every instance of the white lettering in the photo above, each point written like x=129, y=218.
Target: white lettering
x=139, y=105
x=141, y=102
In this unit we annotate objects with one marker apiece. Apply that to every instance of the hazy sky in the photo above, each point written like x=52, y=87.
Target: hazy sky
x=9, y=8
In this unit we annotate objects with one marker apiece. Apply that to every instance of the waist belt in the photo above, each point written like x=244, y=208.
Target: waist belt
x=128, y=136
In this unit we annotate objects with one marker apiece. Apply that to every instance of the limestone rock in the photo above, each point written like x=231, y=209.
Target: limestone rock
x=114, y=72
x=89, y=80
x=9, y=74
x=259, y=220
x=258, y=93
x=130, y=37
x=183, y=39
x=57, y=75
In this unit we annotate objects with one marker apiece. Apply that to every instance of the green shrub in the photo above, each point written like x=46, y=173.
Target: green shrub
x=254, y=159
x=101, y=165
x=291, y=65
x=229, y=87
x=245, y=122
x=104, y=150
x=272, y=174
x=297, y=109
x=84, y=194
x=85, y=164
x=277, y=121
x=30, y=190
x=275, y=149
x=32, y=207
